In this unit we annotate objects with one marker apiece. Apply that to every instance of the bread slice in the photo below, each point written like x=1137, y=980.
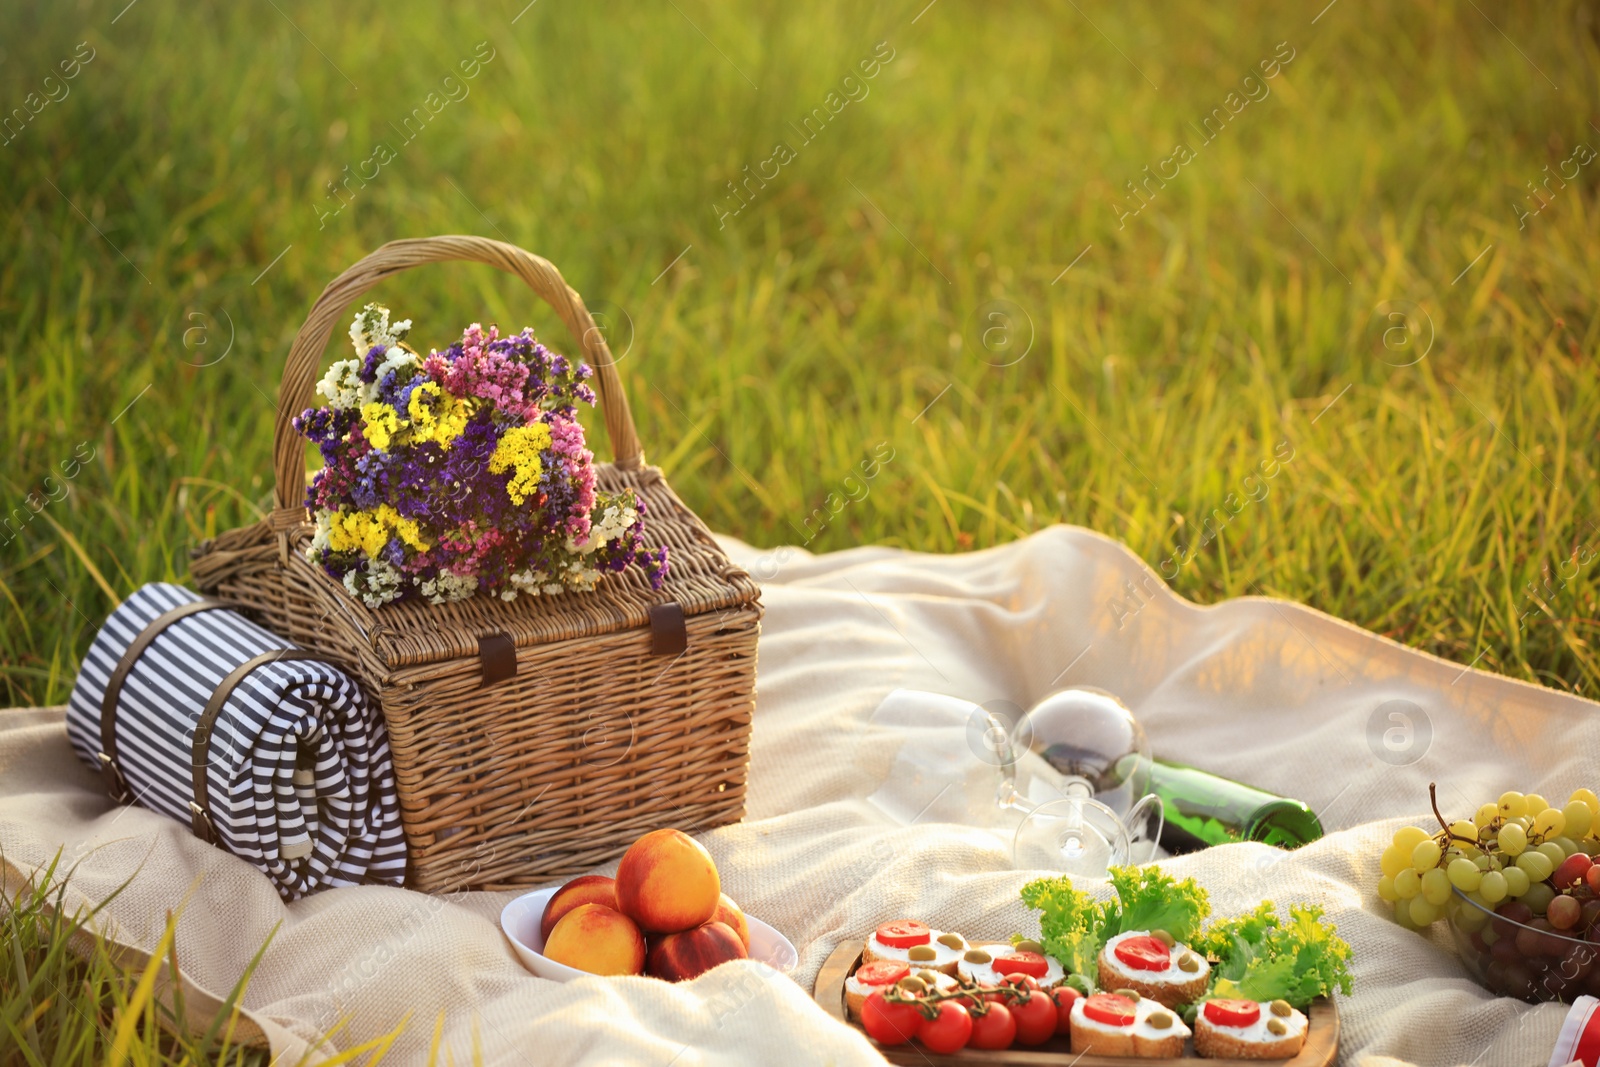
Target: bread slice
x=1138, y=1040
x=1250, y=1042
x=1158, y=1048
x=945, y=961
x=1168, y=994
x=1086, y=1038
x=1171, y=988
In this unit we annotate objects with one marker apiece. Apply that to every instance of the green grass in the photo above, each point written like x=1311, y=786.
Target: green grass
x=146, y=213
x=68, y=997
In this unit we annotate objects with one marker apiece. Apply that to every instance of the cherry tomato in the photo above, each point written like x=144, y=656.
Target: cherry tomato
x=882, y=972
x=1036, y=1018
x=904, y=933
x=1109, y=1008
x=1144, y=954
x=1232, y=1012
x=994, y=1029
x=1064, y=996
x=1022, y=963
x=948, y=1031
x=890, y=1024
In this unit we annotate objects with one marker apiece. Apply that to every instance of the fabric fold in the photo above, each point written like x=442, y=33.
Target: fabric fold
x=300, y=779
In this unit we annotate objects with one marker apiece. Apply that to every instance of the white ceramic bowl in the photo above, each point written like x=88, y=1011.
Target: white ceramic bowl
x=520, y=921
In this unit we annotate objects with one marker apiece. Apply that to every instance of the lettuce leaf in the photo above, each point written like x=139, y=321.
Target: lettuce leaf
x=1221, y=939
x=1071, y=924
x=1150, y=899
x=1296, y=961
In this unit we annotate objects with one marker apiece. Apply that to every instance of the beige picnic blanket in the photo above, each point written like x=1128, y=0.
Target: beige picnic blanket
x=1260, y=690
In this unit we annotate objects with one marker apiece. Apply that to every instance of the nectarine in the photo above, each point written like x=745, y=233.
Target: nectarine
x=730, y=913
x=587, y=889
x=667, y=882
x=690, y=953
x=597, y=939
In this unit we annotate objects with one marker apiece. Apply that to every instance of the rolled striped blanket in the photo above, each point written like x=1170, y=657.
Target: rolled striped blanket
x=297, y=778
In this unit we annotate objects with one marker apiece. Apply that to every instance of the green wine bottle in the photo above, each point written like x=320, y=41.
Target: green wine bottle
x=1202, y=810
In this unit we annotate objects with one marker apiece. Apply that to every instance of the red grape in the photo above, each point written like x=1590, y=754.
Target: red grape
x=1573, y=869
x=1592, y=876
x=1564, y=912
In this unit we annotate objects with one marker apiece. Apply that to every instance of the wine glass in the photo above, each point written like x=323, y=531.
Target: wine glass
x=1067, y=779
x=1081, y=775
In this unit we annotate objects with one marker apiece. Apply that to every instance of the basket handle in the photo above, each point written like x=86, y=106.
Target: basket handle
x=299, y=374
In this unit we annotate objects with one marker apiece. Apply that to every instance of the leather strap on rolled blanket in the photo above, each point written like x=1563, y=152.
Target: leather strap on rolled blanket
x=308, y=796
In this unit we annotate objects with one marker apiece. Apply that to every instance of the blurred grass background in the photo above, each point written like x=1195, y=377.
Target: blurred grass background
x=169, y=220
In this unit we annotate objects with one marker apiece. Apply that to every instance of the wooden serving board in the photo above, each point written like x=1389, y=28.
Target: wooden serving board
x=1322, y=1040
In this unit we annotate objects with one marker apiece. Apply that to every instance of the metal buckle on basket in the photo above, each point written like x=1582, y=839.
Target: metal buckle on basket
x=200, y=823
x=116, y=785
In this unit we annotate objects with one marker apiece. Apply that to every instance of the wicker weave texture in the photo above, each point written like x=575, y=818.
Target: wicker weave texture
x=594, y=740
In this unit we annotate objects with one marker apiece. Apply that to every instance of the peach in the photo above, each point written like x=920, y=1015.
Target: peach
x=588, y=889
x=730, y=913
x=667, y=882
x=597, y=939
x=691, y=953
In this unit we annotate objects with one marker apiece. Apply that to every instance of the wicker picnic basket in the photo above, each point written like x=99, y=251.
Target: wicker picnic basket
x=534, y=739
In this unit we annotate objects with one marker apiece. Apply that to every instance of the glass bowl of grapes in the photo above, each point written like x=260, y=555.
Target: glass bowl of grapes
x=1518, y=885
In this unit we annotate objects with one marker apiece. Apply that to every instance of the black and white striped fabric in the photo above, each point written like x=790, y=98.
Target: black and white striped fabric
x=300, y=777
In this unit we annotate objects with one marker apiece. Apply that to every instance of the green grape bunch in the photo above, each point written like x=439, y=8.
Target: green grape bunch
x=1520, y=847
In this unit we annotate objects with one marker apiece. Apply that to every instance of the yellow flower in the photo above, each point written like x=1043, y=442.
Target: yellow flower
x=518, y=451
x=368, y=531
x=436, y=415
x=406, y=528
x=383, y=422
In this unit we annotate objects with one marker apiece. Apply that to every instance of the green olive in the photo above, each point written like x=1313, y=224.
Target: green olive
x=1276, y=1027
x=912, y=984
x=1164, y=937
x=977, y=955
x=955, y=941
x=1159, y=1019
x=930, y=977
x=923, y=953
x=1188, y=963
x=1029, y=946
x=1131, y=994
x=1281, y=1008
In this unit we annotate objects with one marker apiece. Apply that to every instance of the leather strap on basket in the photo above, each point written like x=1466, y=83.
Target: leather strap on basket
x=300, y=372
x=669, y=634
x=200, y=807
x=110, y=770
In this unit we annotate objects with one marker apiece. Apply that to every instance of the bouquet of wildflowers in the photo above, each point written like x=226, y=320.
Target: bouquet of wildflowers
x=460, y=471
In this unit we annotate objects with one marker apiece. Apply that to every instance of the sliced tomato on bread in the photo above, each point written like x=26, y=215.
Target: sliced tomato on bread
x=1029, y=963
x=904, y=933
x=1232, y=1012
x=1112, y=1009
x=882, y=972
x=1144, y=953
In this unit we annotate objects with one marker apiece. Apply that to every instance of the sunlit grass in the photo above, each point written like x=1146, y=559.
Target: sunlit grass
x=778, y=352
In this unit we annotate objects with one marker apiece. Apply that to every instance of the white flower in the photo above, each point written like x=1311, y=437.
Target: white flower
x=448, y=587
x=372, y=328
x=613, y=522
x=375, y=585
x=320, y=536
x=341, y=386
